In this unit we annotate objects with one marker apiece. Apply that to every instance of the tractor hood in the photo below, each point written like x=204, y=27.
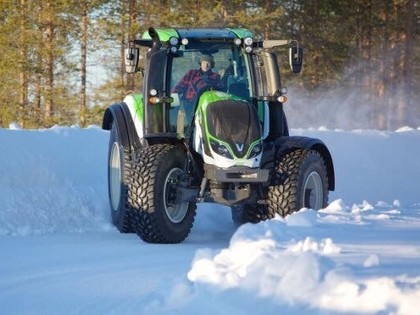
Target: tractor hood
x=230, y=131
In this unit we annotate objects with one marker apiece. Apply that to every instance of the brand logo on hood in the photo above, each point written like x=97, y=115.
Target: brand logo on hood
x=239, y=146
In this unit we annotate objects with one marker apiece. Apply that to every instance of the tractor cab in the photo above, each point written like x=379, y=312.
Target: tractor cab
x=245, y=69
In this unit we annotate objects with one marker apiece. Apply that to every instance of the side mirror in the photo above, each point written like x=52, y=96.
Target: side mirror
x=296, y=58
x=131, y=59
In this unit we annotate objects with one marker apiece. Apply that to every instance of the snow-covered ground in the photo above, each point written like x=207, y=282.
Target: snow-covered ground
x=61, y=255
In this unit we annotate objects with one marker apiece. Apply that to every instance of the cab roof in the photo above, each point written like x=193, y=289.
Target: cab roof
x=210, y=33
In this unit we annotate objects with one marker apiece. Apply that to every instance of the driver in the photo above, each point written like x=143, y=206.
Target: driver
x=196, y=81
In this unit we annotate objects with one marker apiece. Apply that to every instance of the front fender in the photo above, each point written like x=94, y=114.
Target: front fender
x=119, y=114
x=283, y=144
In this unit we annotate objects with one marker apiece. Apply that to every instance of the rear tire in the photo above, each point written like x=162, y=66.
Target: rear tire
x=300, y=181
x=157, y=215
x=119, y=170
x=250, y=214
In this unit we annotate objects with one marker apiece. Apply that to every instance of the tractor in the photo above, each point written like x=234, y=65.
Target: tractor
x=222, y=139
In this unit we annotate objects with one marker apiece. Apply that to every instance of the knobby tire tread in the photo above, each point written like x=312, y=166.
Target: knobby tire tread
x=147, y=216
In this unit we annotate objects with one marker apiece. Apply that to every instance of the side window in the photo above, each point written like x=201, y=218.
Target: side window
x=267, y=74
x=180, y=66
x=260, y=76
x=181, y=111
x=237, y=81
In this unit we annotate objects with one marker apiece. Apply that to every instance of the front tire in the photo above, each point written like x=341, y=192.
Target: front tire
x=300, y=181
x=119, y=170
x=158, y=217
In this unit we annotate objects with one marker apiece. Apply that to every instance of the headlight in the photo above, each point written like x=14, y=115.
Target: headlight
x=256, y=150
x=220, y=149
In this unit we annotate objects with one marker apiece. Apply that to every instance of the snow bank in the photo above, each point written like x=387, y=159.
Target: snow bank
x=53, y=181
x=374, y=165
x=277, y=261
x=360, y=255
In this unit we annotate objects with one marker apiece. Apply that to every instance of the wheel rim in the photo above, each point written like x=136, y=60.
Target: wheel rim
x=175, y=211
x=313, y=192
x=115, y=176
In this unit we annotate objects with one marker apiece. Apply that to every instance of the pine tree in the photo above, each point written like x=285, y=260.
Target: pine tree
x=367, y=47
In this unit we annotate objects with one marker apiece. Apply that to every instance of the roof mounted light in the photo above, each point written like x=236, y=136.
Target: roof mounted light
x=173, y=41
x=248, y=49
x=248, y=41
x=248, y=44
x=184, y=41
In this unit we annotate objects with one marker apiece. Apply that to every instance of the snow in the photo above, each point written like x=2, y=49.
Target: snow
x=61, y=255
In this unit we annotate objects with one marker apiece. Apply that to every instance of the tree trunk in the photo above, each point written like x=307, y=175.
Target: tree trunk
x=23, y=78
x=407, y=67
x=383, y=107
x=131, y=36
x=49, y=65
x=84, y=37
x=267, y=27
x=38, y=66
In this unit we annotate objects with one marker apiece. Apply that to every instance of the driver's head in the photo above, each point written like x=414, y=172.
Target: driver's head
x=206, y=62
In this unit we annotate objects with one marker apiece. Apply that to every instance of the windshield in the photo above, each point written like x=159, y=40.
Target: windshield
x=228, y=63
x=223, y=68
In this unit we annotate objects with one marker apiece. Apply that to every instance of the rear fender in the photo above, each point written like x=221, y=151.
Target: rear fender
x=297, y=142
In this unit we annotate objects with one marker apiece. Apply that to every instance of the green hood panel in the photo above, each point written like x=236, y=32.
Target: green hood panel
x=214, y=96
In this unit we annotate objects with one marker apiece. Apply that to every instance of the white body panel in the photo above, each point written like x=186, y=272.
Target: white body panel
x=131, y=101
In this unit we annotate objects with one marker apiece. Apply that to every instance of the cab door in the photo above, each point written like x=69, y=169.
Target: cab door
x=154, y=88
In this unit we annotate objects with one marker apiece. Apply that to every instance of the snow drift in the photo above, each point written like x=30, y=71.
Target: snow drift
x=360, y=255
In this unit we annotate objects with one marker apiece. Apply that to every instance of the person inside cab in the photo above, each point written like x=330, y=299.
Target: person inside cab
x=196, y=81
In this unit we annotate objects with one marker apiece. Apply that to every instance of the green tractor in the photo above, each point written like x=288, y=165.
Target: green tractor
x=208, y=126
